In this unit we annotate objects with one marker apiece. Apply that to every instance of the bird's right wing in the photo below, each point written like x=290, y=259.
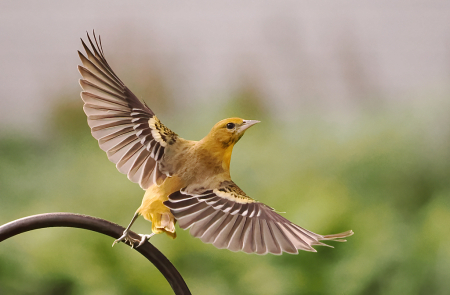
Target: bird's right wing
x=228, y=218
x=126, y=129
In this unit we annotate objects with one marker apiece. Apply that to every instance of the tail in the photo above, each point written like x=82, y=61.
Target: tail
x=164, y=223
x=338, y=237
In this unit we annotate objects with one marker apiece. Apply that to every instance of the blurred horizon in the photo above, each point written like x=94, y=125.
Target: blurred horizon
x=355, y=134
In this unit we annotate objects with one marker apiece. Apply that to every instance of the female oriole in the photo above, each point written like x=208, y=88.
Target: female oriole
x=185, y=181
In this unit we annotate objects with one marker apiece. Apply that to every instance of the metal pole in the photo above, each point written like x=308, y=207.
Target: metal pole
x=102, y=226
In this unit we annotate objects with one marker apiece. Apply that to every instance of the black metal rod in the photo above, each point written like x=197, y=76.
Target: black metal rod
x=102, y=226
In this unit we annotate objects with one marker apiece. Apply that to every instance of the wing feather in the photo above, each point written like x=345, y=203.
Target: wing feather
x=234, y=237
x=127, y=160
x=285, y=244
x=146, y=178
x=258, y=235
x=222, y=240
x=99, y=91
x=199, y=228
x=228, y=218
x=187, y=222
x=214, y=229
x=269, y=238
x=137, y=167
x=247, y=238
x=122, y=124
x=210, y=226
x=195, y=209
x=91, y=77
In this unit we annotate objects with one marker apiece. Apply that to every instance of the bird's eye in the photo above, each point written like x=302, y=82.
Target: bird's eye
x=230, y=125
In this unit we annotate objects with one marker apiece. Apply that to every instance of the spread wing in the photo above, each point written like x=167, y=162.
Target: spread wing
x=126, y=129
x=228, y=218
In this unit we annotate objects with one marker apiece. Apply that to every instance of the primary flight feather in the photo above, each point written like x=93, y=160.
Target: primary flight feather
x=185, y=181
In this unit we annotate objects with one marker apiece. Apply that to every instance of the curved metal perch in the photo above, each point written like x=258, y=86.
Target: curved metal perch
x=102, y=226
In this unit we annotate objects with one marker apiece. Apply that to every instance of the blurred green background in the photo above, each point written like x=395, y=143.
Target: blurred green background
x=382, y=171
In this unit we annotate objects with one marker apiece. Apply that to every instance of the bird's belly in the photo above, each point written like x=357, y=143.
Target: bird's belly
x=153, y=209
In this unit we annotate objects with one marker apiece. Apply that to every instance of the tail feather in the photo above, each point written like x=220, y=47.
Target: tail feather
x=338, y=237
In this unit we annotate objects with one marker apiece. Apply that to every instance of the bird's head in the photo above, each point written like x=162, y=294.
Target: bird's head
x=228, y=131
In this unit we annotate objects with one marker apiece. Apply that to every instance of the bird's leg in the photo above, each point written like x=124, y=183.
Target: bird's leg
x=126, y=235
x=144, y=238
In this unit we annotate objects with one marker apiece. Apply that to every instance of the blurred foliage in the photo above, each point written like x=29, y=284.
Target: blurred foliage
x=379, y=176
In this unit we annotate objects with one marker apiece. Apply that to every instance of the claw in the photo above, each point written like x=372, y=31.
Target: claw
x=145, y=238
x=126, y=238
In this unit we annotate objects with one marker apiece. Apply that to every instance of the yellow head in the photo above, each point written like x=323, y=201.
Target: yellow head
x=228, y=131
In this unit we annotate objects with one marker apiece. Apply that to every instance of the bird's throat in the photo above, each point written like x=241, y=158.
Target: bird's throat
x=219, y=150
x=226, y=159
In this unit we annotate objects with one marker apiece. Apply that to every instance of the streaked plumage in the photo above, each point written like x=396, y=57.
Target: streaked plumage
x=185, y=181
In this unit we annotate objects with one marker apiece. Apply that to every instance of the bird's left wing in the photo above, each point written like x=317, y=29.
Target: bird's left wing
x=228, y=218
x=126, y=129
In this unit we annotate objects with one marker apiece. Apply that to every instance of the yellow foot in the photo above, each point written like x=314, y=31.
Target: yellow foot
x=126, y=238
x=145, y=238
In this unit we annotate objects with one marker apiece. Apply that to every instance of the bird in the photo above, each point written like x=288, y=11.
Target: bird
x=185, y=181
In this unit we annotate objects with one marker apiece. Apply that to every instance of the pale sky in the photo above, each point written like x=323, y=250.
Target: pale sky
x=327, y=52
